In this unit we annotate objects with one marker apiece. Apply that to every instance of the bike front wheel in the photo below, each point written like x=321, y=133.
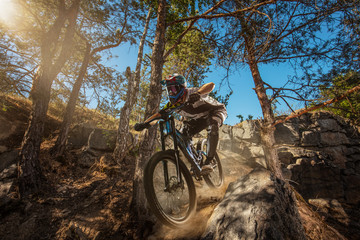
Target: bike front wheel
x=172, y=201
x=215, y=179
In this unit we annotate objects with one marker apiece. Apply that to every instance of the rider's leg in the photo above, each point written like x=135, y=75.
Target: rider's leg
x=193, y=127
x=213, y=139
x=216, y=121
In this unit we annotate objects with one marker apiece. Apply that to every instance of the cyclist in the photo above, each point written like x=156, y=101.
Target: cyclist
x=199, y=109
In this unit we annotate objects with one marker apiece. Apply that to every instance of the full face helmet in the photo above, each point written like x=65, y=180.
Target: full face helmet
x=176, y=87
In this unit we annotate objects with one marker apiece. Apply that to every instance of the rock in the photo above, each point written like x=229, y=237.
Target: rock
x=310, y=139
x=9, y=172
x=103, y=140
x=3, y=149
x=330, y=208
x=6, y=128
x=255, y=207
x=79, y=136
x=352, y=190
x=339, y=216
x=285, y=156
x=287, y=133
x=317, y=180
x=249, y=131
x=87, y=159
x=333, y=139
x=328, y=124
x=7, y=159
x=337, y=155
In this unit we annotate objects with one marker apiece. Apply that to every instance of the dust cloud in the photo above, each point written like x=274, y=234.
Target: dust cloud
x=234, y=166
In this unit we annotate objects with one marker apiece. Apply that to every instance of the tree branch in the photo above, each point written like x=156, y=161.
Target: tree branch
x=336, y=99
x=220, y=15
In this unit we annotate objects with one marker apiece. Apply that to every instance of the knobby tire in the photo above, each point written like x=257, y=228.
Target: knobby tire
x=173, y=208
x=214, y=179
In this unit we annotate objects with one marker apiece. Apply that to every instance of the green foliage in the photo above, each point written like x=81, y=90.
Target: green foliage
x=349, y=107
x=220, y=98
x=241, y=118
x=191, y=58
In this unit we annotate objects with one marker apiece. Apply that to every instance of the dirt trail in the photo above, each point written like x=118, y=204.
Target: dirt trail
x=234, y=166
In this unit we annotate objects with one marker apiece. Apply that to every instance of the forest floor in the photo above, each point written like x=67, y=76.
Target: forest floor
x=94, y=202
x=75, y=203
x=86, y=202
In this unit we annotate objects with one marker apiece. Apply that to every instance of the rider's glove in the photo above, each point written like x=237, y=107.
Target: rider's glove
x=141, y=126
x=194, y=97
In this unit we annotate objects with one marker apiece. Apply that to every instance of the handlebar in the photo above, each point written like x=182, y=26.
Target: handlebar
x=164, y=115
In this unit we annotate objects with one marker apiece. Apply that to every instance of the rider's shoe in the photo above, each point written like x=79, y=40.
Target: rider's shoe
x=206, y=169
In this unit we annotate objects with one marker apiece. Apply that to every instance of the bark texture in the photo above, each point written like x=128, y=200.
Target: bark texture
x=70, y=107
x=152, y=106
x=121, y=148
x=267, y=128
x=29, y=169
x=60, y=144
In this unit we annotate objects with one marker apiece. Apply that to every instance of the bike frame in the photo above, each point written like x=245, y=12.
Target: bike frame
x=167, y=127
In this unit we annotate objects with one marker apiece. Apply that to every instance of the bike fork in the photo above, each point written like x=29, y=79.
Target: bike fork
x=177, y=154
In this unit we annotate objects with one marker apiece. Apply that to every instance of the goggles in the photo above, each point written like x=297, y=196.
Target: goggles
x=175, y=92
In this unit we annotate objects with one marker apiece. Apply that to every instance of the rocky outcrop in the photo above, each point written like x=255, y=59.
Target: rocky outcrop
x=321, y=150
x=256, y=206
x=320, y=154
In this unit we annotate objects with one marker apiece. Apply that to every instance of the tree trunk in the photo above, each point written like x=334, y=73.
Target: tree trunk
x=267, y=128
x=29, y=169
x=152, y=106
x=60, y=144
x=121, y=148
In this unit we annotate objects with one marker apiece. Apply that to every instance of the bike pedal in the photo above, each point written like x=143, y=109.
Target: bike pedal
x=206, y=169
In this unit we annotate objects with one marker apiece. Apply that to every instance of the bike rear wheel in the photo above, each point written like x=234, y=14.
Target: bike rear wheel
x=215, y=179
x=172, y=203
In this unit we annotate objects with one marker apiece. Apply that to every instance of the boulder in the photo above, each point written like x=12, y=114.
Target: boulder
x=330, y=208
x=93, y=138
x=249, y=131
x=6, y=128
x=328, y=124
x=317, y=180
x=79, y=135
x=103, y=140
x=287, y=133
x=310, y=139
x=256, y=206
x=333, y=138
x=7, y=159
x=352, y=189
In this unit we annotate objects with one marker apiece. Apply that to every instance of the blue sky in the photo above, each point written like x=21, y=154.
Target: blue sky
x=243, y=101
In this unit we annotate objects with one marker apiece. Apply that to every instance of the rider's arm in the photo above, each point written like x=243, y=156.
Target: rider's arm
x=153, y=119
x=156, y=115
x=147, y=123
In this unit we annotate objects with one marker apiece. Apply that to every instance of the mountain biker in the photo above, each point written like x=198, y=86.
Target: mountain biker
x=200, y=110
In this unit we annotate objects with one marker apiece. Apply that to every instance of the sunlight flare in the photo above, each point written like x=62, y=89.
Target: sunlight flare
x=7, y=12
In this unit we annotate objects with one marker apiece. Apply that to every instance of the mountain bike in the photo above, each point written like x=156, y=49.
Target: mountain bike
x=168, y=182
